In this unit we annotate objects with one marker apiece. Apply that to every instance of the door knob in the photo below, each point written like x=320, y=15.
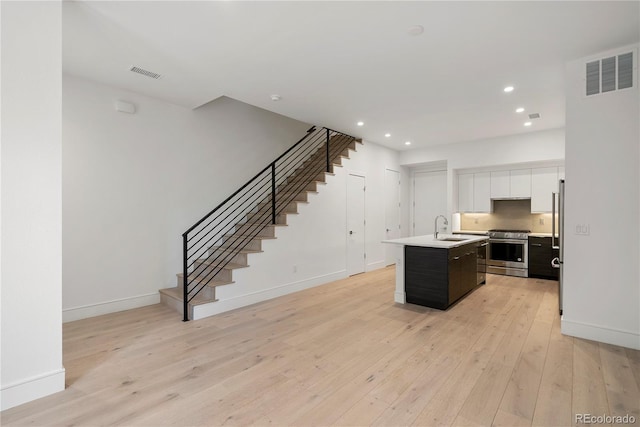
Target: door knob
x=555, y=263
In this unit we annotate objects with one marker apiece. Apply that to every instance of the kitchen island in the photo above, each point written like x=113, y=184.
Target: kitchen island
x=436, y=272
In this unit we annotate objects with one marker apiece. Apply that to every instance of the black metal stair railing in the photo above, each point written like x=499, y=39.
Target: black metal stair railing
x=212, y=243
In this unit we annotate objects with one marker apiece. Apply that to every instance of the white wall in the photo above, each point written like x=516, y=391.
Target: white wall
x=133, y=183
x=601, y=277
x=31, y=202
x=526, y=148
x=315, y=240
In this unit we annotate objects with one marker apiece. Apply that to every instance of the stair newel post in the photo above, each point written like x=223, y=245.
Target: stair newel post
x=273, y=193
x=328, y=170
x=185, y=280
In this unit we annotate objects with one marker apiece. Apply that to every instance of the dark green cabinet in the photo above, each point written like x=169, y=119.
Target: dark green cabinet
x=438, y=277
x=540, y=255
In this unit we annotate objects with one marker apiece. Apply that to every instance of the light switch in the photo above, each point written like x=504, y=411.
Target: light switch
x=583, y=229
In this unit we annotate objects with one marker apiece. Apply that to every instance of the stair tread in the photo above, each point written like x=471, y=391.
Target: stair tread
x=252, y=237
x=229, y=266
x=259, y=223
x=176, y=293
x=213, y=283
x=242, y=251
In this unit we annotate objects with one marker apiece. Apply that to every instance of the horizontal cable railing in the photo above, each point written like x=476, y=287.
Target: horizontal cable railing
x=212, y=243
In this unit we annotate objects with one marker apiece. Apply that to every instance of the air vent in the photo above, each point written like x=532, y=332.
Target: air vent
x=145, y=72
x=534, y=116
x=609, y=74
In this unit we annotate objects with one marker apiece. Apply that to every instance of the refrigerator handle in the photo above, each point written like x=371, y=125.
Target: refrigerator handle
x=553, y=221
x=561, y=221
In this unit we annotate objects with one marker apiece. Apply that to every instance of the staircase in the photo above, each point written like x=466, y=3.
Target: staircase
x=222, y=240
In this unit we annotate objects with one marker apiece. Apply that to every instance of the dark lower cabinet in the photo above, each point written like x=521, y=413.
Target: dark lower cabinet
x=438, y=277
x=540, y=255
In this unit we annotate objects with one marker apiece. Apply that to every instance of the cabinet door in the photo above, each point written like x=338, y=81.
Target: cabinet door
x=482, y=192
x=500, y=185
x=520, y=183
x=544, y=181
x=465, y=192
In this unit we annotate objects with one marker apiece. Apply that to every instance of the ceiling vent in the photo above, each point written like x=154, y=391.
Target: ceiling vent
x=145, y=72
x=609, y=74
x=534, y=116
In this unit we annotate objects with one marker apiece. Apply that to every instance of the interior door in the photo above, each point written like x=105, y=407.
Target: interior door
x=429, y=200
x=355, y=225
x=392, y=212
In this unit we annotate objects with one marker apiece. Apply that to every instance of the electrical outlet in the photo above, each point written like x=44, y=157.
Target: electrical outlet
x=583, y=229
x=475, y=220
x=295, y=268
x=541, y=221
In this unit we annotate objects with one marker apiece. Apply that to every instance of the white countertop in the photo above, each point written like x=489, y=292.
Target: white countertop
x=429, y=241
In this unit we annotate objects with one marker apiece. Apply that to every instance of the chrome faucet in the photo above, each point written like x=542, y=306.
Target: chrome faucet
x=435, y=231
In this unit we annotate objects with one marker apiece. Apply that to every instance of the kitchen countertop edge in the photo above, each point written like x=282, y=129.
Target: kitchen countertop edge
x=428, y=241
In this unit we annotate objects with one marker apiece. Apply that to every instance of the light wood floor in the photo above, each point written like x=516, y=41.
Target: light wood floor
x=341, y=354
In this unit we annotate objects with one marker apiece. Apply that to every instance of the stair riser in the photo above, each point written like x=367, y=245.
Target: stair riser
x=312, y=186
x=175, y=305
x=291, y=208
x=224, y=274
x=252, y=229
x=207, y=292
x=238, y=258
x=253, y=245
x=281, y=219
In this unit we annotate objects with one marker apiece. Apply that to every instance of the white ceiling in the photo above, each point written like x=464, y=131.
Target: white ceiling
x=335, y=63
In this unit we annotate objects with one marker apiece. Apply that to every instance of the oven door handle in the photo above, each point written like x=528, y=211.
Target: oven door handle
x=515, y=241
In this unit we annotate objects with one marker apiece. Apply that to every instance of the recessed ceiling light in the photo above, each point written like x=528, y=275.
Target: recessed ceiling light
x=276, y=98
x=415, y=30
x=519, y=110
x=508, y=89
x=527, y=123
x=360, y=123
x=387, y=135
x=407, y=143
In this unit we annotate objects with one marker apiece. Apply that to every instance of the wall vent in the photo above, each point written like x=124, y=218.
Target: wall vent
x=145, y=72
x=609, y=74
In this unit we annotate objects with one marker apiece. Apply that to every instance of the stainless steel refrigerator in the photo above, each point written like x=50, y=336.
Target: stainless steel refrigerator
x=557, y=240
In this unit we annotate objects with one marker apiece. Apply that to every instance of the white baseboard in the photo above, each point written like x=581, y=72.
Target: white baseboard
x=92, y=310
x=601, y=334
x=376, y=265
x=400, y=297
x=221, y=306
x=33, y=388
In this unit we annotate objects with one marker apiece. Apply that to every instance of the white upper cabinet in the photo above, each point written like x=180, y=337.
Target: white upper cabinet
x=544, y=181
x=465, y=192
x=520, y=182
x=500, y=185
x=474, y=194
x=482, y=192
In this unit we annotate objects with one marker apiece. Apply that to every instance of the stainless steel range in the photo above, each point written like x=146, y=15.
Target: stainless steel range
x=507, y=252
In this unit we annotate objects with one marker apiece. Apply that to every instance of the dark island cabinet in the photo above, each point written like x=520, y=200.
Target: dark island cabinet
x=438, y=277
x=540, y=255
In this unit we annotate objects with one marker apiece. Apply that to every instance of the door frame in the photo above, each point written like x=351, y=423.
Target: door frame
x=346, y=213
x=387, y=247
